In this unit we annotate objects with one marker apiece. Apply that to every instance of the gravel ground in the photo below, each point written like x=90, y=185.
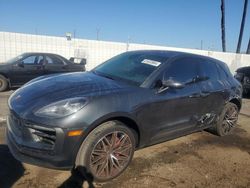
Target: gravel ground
x=197, y=160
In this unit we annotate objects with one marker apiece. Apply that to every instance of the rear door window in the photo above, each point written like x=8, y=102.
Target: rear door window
x=53, y=60
x=223, y=72
x=209, y=69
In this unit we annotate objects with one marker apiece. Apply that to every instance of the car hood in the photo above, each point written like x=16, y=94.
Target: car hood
x=45, y=90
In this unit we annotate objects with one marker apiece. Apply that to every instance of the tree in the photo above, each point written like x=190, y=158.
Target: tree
x=223, y=34
x=242, y=26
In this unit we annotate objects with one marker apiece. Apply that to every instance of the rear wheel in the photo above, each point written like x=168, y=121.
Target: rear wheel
x=227, y=120
x=107, y=150
x=3, y=83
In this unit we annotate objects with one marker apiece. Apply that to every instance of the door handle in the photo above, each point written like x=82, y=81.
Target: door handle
x=205, y=93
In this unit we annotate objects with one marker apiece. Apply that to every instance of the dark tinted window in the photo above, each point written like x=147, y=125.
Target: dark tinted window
x=239, y=76
x=223, y=73
x=53, y=60
x=134, y=68
x=209, y=69
x=29, y=60
x=182, y=70
x=38, y=59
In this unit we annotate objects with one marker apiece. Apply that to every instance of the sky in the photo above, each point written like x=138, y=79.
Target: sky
x=175, y=23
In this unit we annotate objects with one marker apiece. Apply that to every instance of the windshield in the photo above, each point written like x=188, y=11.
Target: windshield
x=12, y=60
x=134, y=68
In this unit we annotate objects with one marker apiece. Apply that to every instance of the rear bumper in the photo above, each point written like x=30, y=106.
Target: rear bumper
x=62, y=156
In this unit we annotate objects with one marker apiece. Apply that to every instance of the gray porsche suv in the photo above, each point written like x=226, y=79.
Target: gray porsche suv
x=97, y=119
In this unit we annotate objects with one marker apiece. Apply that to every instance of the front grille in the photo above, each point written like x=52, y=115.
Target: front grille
x=45, y=138
x=31, y=135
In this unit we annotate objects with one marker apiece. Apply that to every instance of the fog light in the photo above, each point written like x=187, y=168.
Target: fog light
x=34, y=136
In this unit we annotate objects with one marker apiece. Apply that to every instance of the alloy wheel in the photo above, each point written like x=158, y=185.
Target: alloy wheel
x=111, y=155
x=230, y=119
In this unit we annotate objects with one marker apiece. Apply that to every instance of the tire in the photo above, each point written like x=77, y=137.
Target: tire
x=3, y=83
x=107, y=151
x=227, y=120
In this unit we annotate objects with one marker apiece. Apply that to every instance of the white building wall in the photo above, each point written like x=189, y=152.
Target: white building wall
x=13, y=44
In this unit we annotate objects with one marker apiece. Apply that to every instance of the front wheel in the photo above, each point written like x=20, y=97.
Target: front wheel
x=107, y=150
x=3, y=83
x=227, y=120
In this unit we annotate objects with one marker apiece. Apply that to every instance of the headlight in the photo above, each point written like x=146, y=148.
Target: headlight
x=62, y=108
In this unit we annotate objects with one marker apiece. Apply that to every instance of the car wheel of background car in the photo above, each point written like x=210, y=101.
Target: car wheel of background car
x=3, y=83
x=107, y=150
x=227, y=120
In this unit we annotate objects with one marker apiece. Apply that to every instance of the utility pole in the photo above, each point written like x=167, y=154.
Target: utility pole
x=242, y=26
x=97, y=33
x=248, y=47
x=128, y=42
x=223, y=33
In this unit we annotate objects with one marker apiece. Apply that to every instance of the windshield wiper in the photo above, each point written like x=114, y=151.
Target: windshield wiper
x=103, y=75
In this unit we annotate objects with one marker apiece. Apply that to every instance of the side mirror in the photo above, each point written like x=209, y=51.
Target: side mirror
x=20, y=64
x=71, y=59
x=200, y=78
x=172, y=84
x=166, y=84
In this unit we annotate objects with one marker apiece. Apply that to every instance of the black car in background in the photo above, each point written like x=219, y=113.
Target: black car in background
x=28, y=66
x=97, y=119
x=243, y=76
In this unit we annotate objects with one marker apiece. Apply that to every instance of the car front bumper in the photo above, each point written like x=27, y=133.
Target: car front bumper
x=58, y=152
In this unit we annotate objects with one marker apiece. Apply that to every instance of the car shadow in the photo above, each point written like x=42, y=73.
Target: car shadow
x=10, y=169
x=79, y=175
